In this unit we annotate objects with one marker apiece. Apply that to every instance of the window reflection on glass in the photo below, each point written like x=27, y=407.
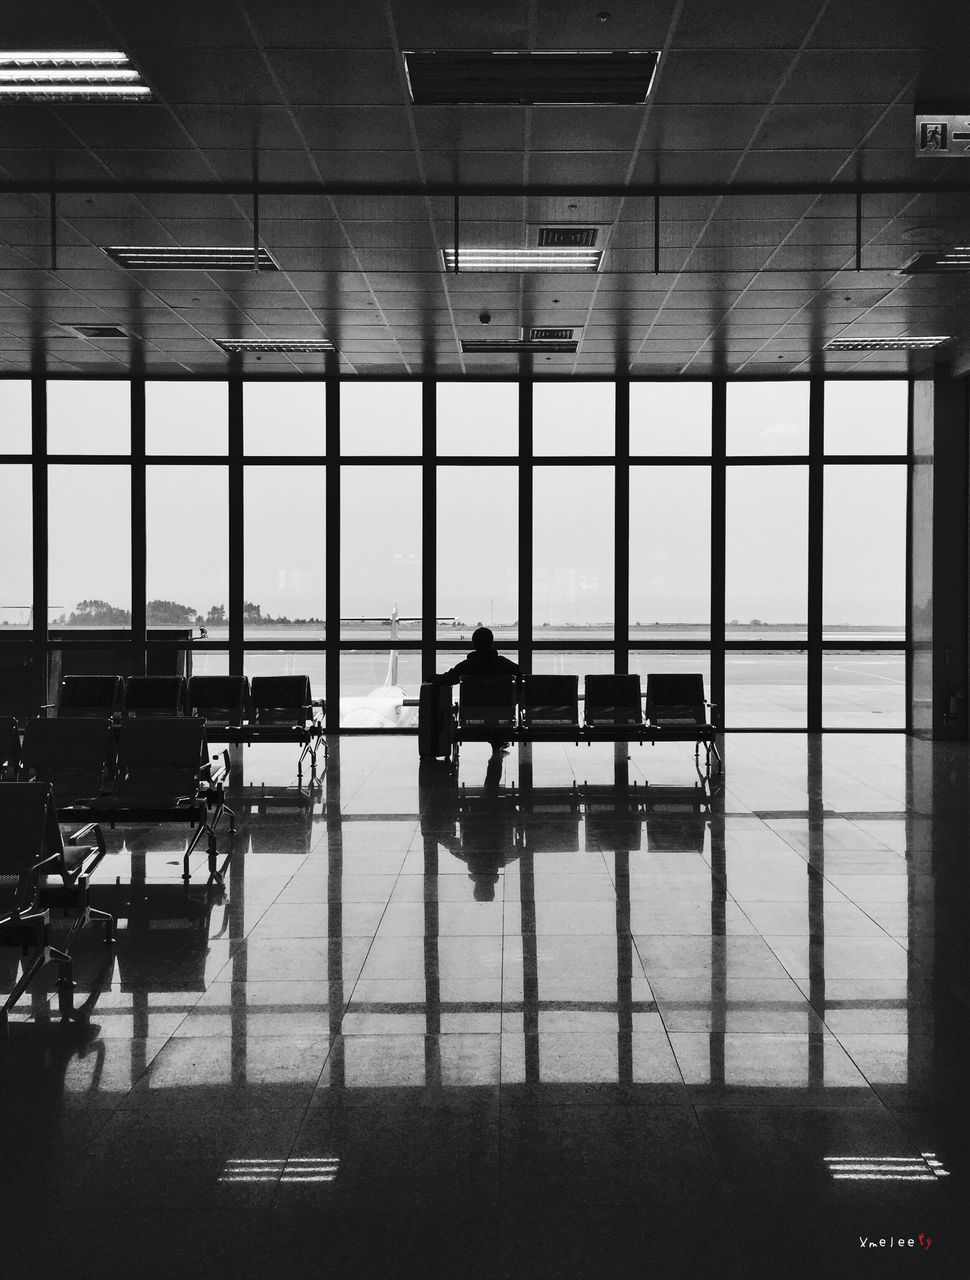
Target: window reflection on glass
x=89, y=559
x=670, y=561
x=186, y=418
x=289, y=662
x=864, y=561
x=284, y=560
x=187, y=570
x=478, y=418
x=380, y=418
x=573, y=418
x=380, y=552
x=88, y=417
x=767, y=552
x=375, y=686
x=767, y=418
x=765, y=690
x=553, y=662
x=670, y=418
x=16, y=536
x=866, y=417
x=864, y=690
x=15, y=434
x=573, y=552
x=284, y=418
x=478, y=521
x=209, y=662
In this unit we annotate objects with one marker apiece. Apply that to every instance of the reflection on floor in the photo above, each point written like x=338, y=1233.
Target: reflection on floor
x=556, y=1021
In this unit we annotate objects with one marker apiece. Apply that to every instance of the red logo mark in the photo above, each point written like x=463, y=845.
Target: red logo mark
x=924, y=1240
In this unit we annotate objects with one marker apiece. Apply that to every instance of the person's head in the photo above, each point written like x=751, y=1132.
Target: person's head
x=482, y=638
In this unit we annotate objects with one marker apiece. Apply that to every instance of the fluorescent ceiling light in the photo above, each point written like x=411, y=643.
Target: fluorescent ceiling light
x=522, y=259
x=308, y=346
x=955, y=259
x=295, y=1169
x=60, y=75
x=520, y=78
x=922, y=1168
x=201, y=258
x=884, y=344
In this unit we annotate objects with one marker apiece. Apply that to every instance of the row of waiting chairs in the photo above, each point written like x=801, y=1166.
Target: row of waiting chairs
x=234, y=708
x=546, y=707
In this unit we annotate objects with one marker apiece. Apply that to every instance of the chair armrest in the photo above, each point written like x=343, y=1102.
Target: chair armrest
x=218, y=767
x=91, y=830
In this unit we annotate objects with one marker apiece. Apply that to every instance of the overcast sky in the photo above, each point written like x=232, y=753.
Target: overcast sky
x=477, y=509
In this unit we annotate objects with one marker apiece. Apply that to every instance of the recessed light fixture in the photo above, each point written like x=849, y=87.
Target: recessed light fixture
x=304, y=347
x=922, y=1168
x=515, y=346
x=952, y=260
x=203, y=258
x=70, y=76
x=522, y=78
x=884, y=344
x=523, y=259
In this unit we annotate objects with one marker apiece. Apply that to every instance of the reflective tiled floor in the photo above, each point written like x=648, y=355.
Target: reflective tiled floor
x=573, y=1015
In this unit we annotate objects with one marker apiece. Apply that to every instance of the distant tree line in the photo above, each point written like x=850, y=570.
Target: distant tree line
x=169, y=613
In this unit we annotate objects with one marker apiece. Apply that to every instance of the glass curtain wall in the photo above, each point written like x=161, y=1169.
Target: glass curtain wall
x=752, y=531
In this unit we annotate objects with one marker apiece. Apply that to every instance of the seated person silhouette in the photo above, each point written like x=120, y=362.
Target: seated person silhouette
x=484, y=660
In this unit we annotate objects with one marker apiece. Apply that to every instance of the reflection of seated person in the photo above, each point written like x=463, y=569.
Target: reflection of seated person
x=484, y=660
x=478, y=829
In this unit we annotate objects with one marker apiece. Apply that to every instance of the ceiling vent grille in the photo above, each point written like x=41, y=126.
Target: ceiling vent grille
x=567, y=237
x=884, y=344
x=551, y=335
x=98, y=331
x=202, y=258
x=520, y=78
x=952, y=261
x=308, y=347
x=516, y=346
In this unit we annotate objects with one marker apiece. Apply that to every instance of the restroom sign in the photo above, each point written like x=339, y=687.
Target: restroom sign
x=943, y=136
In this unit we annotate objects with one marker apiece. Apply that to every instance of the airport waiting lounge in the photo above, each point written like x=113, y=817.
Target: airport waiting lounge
x=625, y=349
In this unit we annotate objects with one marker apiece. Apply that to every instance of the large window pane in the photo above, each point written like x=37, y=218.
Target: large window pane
x=88, y=417
x=865, y=552
x=573, y=549
x=864, y=690
x=187, y=521
x=866, y=417
x=380, y=418
x=284, y=552
x=767, y=551
x=186, y=418
x=15, y=415
x=16, y=592
x=670, y=418
x=478, y=548
x=284, y=418
x=380, y=551
x=478, y=418
x=573, y=418
x=764, y=690
x=767, y=418
x=670, y=551
x=89, y=546
x=374, y=686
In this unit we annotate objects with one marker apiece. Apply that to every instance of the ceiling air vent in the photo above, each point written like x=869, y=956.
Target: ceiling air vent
x=202, y=258
x=98, y=331
x=517, y=77
x=567, y=237
x=953, y=260
x=295, y=345
x=515, y=346
x=551, y=335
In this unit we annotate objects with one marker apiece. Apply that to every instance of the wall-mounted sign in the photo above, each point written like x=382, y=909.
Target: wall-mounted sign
x=942, y=136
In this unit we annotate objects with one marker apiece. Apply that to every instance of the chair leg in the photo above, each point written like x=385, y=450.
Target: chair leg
x=21, y=986
x=65, y=982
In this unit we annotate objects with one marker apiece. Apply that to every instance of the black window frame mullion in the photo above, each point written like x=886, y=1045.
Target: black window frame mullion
x=237, y=527
x=621, y=530
x=429, y=528
x=816, y=543
x=332, y=554
x=39, y=529
x=718, y=542
x=139, y=530
x=526, y=511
